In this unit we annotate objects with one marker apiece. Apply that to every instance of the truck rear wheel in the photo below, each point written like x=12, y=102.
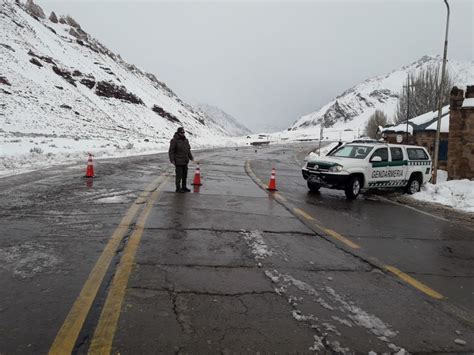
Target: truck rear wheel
x=353, y=187
x=414, y=185
x=313, y=186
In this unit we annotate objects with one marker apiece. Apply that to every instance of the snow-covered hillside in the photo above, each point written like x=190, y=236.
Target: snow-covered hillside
x=62, y=92
x=346, y=115
x=222, y=119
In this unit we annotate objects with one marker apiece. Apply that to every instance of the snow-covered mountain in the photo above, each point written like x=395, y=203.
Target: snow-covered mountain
x=222, y=119
x=63, y=90
x=348, y=113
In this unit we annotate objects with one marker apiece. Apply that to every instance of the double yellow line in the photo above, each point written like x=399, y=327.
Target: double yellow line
x=103, y=336
x=314, y=223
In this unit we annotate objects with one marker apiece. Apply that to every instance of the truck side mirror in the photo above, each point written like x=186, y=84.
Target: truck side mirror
x=376, y=159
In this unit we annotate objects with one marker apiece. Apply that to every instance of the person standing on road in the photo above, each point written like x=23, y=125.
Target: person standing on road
x=180, y=155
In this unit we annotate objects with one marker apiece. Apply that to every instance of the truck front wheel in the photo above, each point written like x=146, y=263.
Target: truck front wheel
x=313, y=186
x=353, y=187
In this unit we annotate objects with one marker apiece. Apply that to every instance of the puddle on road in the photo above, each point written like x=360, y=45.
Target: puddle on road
x=106, y=196
x=115, y=199
x=28, y=259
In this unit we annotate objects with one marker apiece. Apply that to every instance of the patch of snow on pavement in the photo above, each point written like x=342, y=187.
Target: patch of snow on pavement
x=27, y=259
x=357, y=315
x=336, y=347
x=374, y=324
x=318, y=344
x=346, y=322
x=258, y=246
x=301, y=317
x=460, y=341
x=458, y=194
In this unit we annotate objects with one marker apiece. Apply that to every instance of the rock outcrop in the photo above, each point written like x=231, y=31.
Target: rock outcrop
x=65, y=74
x=4, y=81
x=53, y=18
x=34, y=9
x=109, y=89
x=170, y=117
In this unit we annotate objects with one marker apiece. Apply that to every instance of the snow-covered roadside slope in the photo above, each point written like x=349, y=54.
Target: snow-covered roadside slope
x=62, y=93
x=348, y=113
x=222, y=119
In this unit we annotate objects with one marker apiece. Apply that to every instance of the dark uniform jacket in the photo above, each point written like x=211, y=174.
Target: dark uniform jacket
x=180, y=150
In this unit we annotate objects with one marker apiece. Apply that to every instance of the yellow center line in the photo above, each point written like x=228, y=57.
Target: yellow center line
x=280, y=196
x=328, y=231
x=341, y=238
x=303, y=214
x=407, y=278
x=105, y=330
x=250, y=171
x=67, y=335
x=415, y=283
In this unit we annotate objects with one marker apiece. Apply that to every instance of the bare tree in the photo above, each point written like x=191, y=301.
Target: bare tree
x=378, y=118
x=421, y=93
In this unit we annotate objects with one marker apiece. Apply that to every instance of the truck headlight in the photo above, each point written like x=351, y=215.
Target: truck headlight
x=335, y=168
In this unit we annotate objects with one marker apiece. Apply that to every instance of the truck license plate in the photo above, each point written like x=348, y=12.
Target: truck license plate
x=315, y=179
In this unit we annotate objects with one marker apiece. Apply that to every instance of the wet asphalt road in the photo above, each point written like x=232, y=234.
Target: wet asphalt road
x=226, y=268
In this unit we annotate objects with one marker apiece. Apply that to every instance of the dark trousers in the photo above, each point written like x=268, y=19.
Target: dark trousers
x=181, y=176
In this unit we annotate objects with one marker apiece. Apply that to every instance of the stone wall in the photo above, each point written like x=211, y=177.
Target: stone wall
x=461, y=136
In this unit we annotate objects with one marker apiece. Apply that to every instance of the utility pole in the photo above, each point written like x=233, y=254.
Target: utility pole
x=440, y=98
x=320, y=136
x=408, y=86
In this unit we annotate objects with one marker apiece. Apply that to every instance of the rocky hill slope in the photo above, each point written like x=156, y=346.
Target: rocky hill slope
x=350, y=110
x=228, y=123
x=63, y=91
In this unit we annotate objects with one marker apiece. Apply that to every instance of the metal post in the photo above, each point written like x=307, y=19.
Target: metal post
x=320, y=137
x=440, y=98
x=408, y=107
x=408, y=86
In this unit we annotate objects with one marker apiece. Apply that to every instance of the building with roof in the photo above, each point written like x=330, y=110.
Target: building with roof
x=456, y=146
x=422, y=131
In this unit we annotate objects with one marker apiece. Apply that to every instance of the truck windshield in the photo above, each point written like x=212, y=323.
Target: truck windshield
x=352, y=151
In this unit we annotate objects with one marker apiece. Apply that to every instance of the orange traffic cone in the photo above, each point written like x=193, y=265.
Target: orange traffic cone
x=90, y=167
x=197, y=176
x=272, y=183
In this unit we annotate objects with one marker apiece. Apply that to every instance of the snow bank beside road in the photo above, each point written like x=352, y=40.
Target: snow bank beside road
x=458, y=194
x=27, y=154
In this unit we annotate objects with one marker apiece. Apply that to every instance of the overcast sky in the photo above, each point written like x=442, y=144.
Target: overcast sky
x=267, y=63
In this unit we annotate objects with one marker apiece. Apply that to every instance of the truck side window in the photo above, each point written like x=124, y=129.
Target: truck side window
x=417, y=154
x=382, y=153
x=397, y=154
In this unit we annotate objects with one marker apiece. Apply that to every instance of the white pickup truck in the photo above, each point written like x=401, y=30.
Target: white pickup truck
x=356, y=166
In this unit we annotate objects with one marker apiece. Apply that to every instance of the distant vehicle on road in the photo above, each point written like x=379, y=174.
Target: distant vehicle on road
x=356, y=166
x=258, y=143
